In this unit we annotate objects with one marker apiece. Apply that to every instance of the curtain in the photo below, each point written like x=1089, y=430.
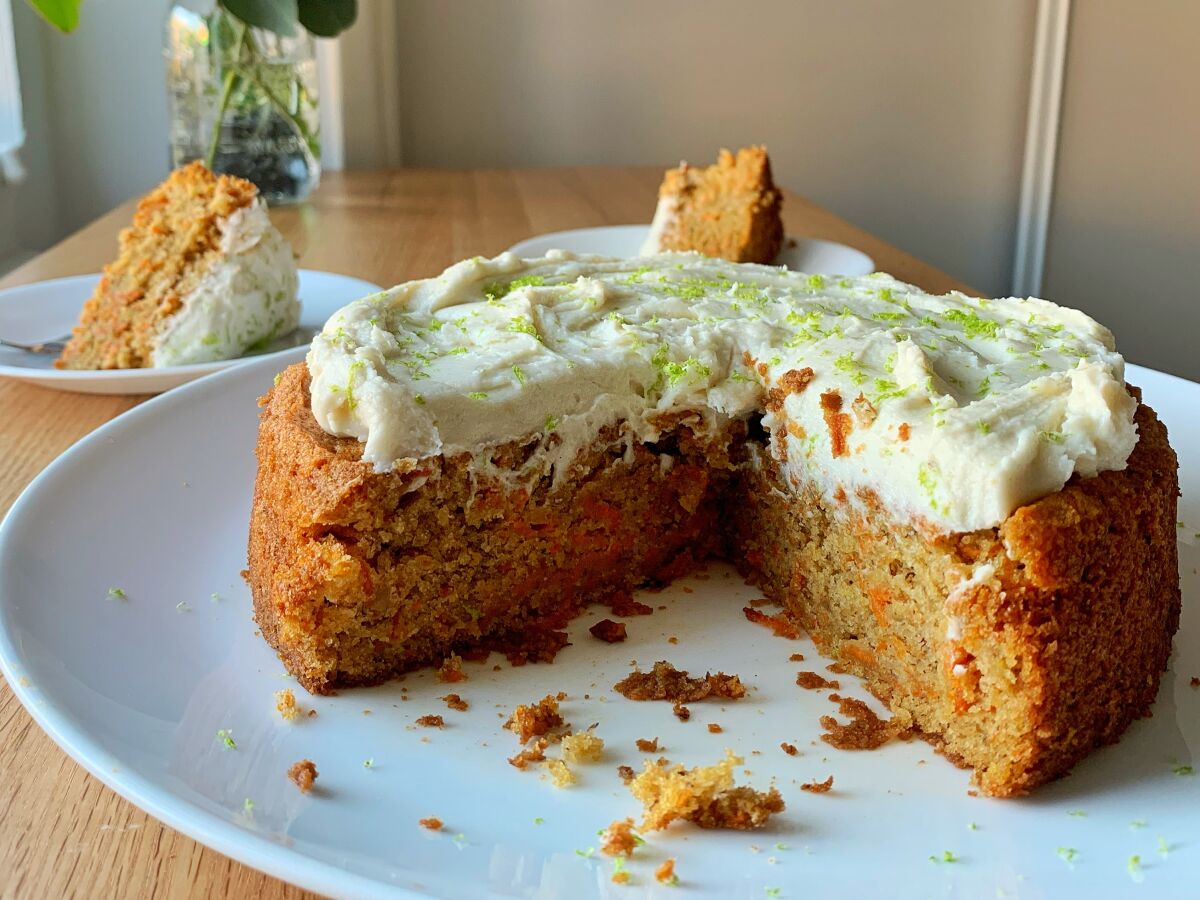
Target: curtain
x=12, y=127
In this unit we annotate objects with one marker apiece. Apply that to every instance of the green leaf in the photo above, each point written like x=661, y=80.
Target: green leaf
x=279, y=16
x=62, y=14
x=327, y=18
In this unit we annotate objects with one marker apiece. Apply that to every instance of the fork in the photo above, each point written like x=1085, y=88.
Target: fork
x=49, y=348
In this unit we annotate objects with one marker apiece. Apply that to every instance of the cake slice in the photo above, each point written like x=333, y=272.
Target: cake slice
x=730, y=209
x=959, y=499
x=201, y=275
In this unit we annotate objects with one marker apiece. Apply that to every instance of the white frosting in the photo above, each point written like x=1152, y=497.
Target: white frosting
x=969, y=407
x=247, y=297
x=664, y=216
x=954, y=622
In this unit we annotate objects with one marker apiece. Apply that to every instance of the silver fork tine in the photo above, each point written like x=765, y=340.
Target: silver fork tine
x=54, y=347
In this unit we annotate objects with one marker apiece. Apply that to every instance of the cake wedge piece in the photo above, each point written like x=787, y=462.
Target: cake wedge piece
x=729, y=209
x=201, y=275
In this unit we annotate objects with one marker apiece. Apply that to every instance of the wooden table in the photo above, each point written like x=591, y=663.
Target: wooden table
x=62, y=832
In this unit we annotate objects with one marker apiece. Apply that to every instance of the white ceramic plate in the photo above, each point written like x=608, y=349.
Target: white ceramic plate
x=46, y=310
x=799, y=253
x=156, y=503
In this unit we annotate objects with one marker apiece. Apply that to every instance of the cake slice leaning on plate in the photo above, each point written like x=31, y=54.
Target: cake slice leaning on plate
x=730, y=209
x=202, y=275
x=960, y=499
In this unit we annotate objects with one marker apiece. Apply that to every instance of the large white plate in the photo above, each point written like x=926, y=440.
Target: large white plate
x=46, y=310
x=156, y=503
x=800, y=254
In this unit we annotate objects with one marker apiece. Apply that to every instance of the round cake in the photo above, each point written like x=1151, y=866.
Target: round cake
x=960, y=499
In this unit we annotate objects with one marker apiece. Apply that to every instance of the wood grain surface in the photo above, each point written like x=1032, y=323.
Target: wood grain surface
x=63, y=833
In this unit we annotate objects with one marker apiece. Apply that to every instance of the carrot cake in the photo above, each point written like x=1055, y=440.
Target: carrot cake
x=960, y=500
x=201, y=275
x=730, y=209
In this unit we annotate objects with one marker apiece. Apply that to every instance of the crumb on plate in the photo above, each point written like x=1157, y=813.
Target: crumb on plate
x=303, y=774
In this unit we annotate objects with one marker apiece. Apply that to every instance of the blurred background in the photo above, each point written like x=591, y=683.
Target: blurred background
x=1024, y=146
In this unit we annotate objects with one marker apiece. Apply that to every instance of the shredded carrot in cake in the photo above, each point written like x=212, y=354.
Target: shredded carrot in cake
x=818, y=787
x=665, y=874
x=779, y=623
x=619, y=839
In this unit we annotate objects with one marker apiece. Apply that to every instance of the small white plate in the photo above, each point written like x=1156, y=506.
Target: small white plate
x=46, y=310
x=136, y=690
x=799, y=254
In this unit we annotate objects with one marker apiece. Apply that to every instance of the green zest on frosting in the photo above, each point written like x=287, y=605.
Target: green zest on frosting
x=932, y=390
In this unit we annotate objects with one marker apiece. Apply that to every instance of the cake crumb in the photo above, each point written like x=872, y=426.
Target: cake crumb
x=762, y=601
x=796, y=657
x=812, y=681
x=714, y=728
x=454, y=701
x=778, y=623
x=433, y=823
x=646, y=746
x=704, y=795
x=665, y=682
x=560, y=773
x=431, y=721
x=865, y=730
x=537, y=719
x=451, y=671
x=624, y=606
x=1195, y=682
x=303, y=774
x=609, y=631
x=682, y=713
x=818, y=787
x=285, y=705
x=619, y=839
x=672, y=640
x=625, y=773
x=789, y=749
x=582, y=747
x=536, y=753
x=665, y=874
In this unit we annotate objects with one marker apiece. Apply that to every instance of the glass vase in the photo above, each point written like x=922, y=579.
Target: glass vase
x=243, y=100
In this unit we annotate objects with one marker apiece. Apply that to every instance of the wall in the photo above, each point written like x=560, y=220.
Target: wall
x=1125, y=228
x=107, y=106
x=906, y=118
x=29, y=218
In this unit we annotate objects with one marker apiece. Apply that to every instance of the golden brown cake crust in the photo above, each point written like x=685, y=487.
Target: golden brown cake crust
x=1018, y=674
x=730, y=209
x=172, y=242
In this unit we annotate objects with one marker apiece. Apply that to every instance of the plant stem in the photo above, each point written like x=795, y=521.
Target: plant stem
x=295, y=118
x=230, y=81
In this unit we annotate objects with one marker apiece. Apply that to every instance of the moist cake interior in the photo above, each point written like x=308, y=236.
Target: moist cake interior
x=357, y=576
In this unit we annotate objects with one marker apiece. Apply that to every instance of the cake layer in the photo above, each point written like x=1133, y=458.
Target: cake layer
x=952, y=411
x=1016, y=649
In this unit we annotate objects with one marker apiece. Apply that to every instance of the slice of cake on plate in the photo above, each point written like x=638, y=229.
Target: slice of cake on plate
x=961, y=500
x=201, y=275
x=729, y=210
